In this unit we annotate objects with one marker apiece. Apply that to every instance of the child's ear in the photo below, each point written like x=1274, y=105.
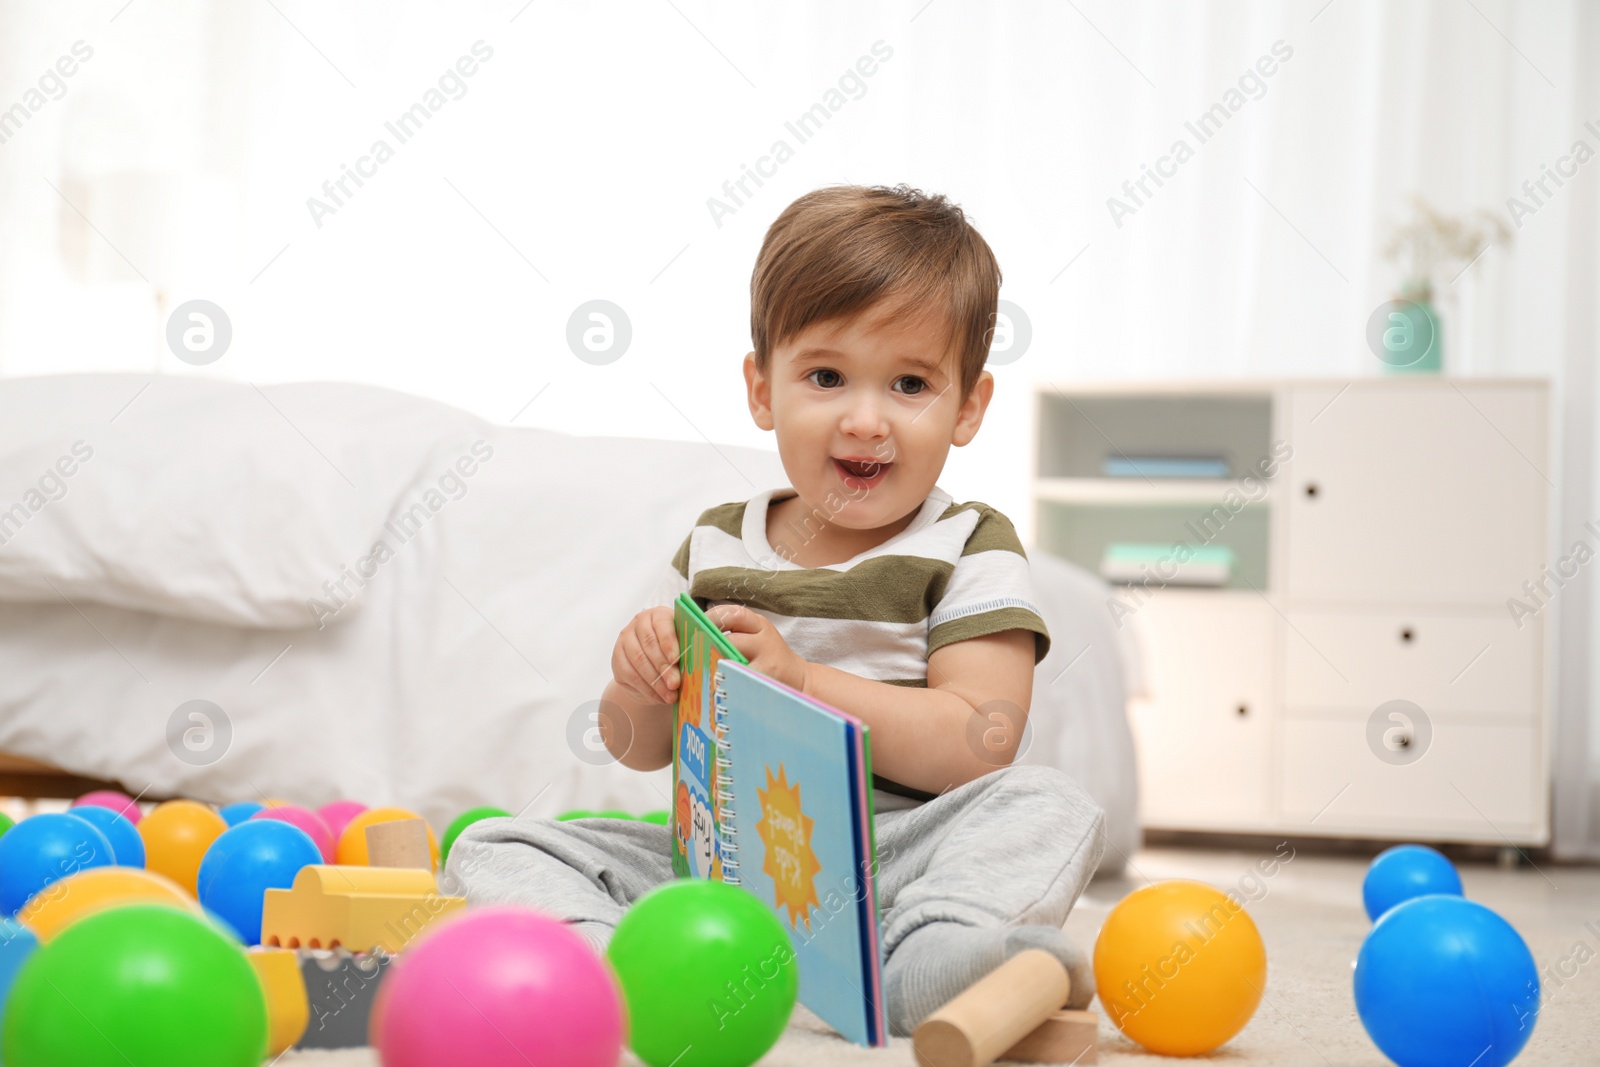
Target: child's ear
x=760, y=393
x=970, y=416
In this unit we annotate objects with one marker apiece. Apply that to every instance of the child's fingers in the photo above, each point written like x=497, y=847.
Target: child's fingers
x=658, y=664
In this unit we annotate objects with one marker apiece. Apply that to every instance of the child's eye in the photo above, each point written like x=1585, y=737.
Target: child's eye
x=921, y=384
x=822, y=370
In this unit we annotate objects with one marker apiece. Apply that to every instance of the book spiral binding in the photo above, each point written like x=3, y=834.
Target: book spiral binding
x=727, y=833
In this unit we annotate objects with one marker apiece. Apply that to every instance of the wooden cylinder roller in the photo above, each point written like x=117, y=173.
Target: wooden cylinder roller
x=994, y=1013
x=400, y=843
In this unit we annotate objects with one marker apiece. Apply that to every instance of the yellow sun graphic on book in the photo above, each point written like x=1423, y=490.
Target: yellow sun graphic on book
x=786, y=832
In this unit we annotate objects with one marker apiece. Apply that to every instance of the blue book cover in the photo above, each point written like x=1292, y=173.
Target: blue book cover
x=794, y=811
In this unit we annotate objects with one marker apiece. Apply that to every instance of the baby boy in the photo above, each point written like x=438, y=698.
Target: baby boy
x=864, y=585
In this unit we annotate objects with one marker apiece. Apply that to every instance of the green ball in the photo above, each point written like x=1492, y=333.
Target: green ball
x=613, y=813
x=575, y=813
x=707, y=972
x=139, y=983
x=660, y=818
x=464, y=820
x=6, y=823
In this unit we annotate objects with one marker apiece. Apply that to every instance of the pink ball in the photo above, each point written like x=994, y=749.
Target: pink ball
x=499, y=986
x=308, y=821
x=121, y=803
x=338, y=815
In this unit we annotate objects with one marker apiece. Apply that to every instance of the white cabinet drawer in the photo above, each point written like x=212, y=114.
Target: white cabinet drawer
x=1442, y=663
x=1397, y=493
x=1204, y=736
x=1474, y=782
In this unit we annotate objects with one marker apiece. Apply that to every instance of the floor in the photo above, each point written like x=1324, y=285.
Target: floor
x=1311, y=918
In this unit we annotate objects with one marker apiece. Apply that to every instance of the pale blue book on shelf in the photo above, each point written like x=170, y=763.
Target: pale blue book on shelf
x=1121, y=466
x=798, y=772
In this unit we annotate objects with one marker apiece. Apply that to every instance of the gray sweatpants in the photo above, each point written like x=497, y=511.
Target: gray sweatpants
x=1016, y=846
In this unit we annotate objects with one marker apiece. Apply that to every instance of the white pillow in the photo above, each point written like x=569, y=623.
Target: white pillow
x=210, y=500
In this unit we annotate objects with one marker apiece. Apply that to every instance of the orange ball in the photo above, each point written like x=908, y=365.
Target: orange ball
x=176, y=835
x=353, y=842
x=83, y=894
x=1179, y=967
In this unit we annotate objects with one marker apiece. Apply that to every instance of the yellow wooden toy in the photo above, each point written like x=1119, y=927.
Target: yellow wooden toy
x=356, y=908
x=288, y=1008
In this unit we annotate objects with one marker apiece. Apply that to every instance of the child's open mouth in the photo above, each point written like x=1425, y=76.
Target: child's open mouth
x=862, y=474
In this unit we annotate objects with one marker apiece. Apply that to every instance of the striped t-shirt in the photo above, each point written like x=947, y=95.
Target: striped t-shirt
x=958, y=571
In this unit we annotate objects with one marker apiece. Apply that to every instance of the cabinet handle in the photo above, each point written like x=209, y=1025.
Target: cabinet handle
x=1311, y=490
x=1406, y=634
x=1244, y=709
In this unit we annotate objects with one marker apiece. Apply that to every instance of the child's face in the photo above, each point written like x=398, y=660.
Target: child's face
x=874, y=387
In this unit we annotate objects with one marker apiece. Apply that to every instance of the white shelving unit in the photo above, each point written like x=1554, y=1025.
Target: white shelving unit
x=1375, y=564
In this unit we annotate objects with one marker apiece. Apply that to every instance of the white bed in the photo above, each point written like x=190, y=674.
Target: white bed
x=161, y=540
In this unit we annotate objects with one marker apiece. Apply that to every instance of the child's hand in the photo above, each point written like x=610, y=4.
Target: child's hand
x=760, y=642
x=645, y=659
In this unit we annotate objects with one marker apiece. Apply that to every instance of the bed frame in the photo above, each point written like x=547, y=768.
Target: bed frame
x=23, y=777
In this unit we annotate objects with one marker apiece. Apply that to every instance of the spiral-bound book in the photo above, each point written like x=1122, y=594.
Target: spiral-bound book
x=784, y=784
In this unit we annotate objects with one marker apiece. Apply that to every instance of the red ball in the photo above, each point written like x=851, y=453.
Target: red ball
x=499, y=987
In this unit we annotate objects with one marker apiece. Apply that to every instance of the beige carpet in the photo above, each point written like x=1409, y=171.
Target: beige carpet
x=1312, y=922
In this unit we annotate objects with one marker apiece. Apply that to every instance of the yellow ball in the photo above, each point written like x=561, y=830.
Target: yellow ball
x=288, y=1006
x=83, y=894
x=1179, y=967
x=176, y=835
x=353, y=841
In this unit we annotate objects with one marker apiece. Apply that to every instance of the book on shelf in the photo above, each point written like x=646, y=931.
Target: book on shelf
x=1164, y=466
x=1171, y=564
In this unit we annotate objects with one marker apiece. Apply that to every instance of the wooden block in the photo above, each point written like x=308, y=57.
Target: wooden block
x=994, y=1013
x=400, y=843
x=1071, y=1037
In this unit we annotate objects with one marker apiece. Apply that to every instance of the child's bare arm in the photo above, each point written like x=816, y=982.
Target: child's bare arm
x=637, y=710
x=967, y=723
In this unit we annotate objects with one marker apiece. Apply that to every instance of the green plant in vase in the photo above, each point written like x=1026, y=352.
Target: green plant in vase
x=1407, y=334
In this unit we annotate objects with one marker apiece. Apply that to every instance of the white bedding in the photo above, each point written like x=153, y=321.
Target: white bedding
x=387, y=599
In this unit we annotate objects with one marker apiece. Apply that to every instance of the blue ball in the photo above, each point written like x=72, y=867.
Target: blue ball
x=17, y=943
x=238, y=812
x=246, y=861
x=127, y=847
x=43, y=849
x=1442, y=981
x=1403, y=872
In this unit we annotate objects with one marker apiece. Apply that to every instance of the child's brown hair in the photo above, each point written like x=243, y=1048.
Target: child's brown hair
x=841, y=249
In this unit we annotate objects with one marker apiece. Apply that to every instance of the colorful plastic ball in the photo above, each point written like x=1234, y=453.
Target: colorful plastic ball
x=17, y=943
x=660, y=818
x=1443, y=980
x=288, y=1006
x=464, y=820
x=43, y=849
x=338, y=815
x=498, y=987
x=678, y=953
x=1405, y=871
x=247, y=860
x=137, y=984
x=127, y=847
x=237, y=812
x=6, y=823
x=353, y=842
x=575, y=813
x=93, y=891
x=117, y=801
x=1179, y=967
x=306, y=820
x=176, y=835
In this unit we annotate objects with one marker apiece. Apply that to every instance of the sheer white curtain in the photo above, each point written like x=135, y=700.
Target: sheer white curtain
x=577, y=159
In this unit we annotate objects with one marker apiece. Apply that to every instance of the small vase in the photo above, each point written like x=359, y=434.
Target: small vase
x=1414, y=341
